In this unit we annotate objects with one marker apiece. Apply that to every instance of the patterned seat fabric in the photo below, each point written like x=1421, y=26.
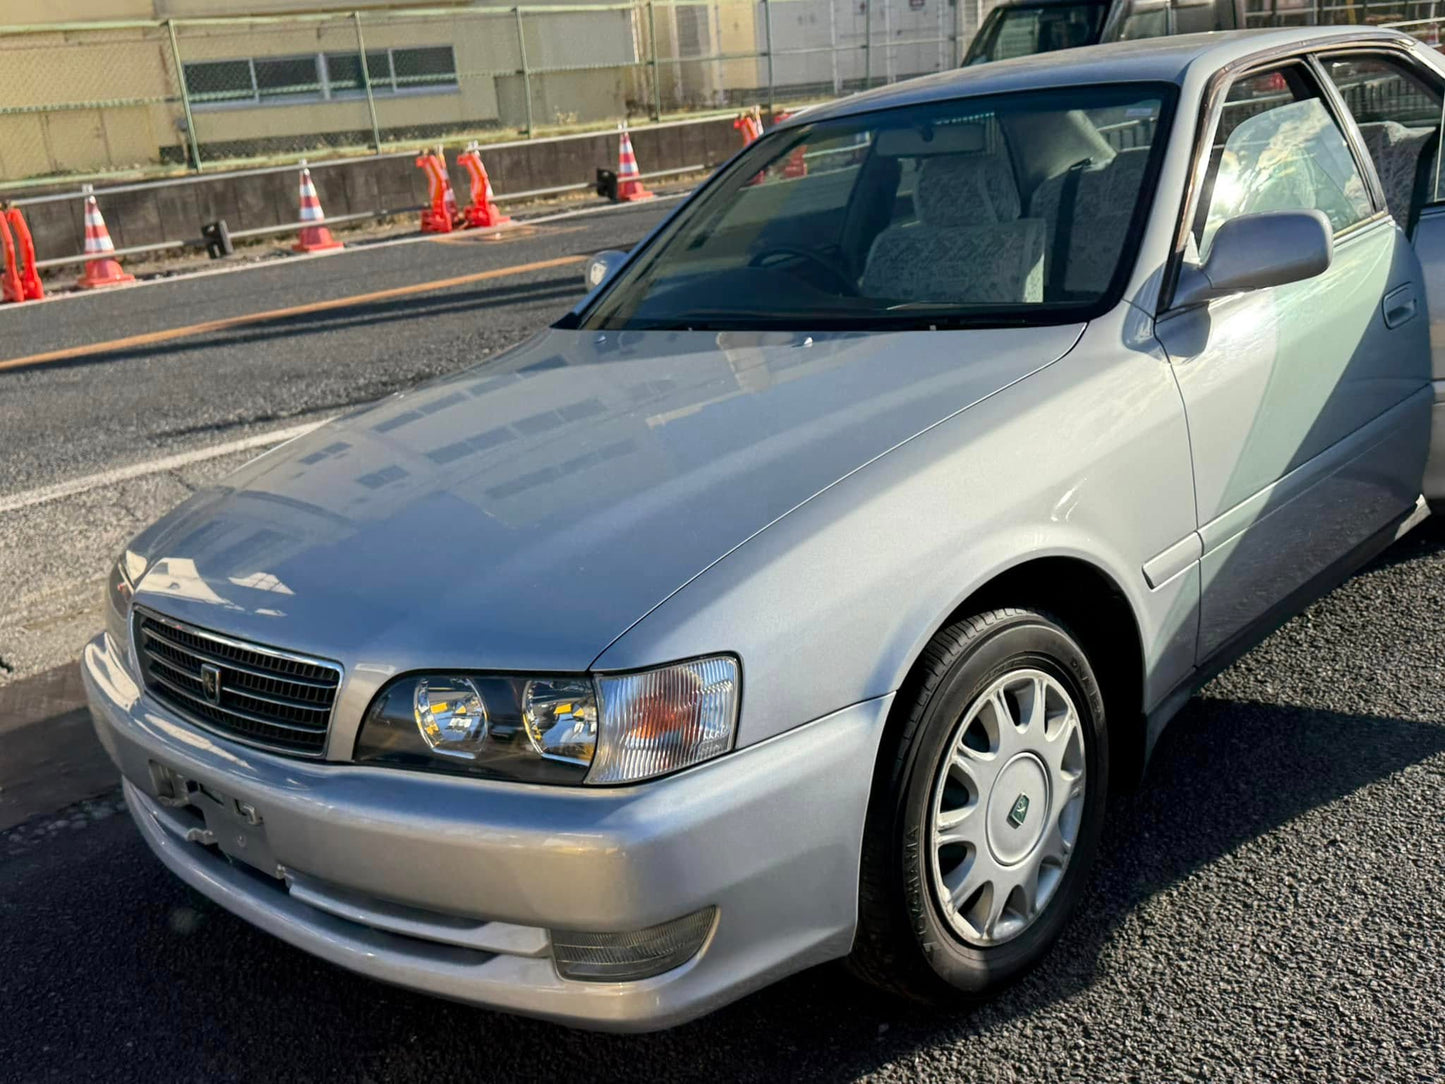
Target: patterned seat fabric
x=1103, y=207
x=1396, y=151
x=969, y=243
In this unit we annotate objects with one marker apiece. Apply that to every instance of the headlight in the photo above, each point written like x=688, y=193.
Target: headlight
x=603, y=728
x=118, y=594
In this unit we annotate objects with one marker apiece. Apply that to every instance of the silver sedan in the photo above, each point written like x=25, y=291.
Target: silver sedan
x=801, y=594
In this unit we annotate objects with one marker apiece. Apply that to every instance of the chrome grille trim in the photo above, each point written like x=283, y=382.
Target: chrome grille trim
x=271, y=699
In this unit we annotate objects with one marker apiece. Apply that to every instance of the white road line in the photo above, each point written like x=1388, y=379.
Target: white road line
x=32, y=497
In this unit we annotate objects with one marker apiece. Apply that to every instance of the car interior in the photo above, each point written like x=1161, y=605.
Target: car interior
x=994, y=208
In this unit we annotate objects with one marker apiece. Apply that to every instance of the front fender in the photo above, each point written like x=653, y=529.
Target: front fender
x=1087, y=458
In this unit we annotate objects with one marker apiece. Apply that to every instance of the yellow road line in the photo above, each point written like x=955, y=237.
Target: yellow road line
x=150, y=338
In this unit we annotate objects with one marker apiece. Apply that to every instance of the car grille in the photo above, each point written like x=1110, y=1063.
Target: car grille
x=262, y=696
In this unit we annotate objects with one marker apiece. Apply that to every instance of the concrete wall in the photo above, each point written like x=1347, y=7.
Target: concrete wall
x=177, y=212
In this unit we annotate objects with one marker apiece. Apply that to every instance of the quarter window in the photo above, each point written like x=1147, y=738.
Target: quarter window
x=1277, y=148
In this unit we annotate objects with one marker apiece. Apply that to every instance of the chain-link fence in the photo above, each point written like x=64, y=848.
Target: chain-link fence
x=142, y=98
x=90, y=101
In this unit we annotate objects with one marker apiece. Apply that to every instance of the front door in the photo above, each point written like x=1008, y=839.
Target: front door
x=1307, y=417
x=1395, y=100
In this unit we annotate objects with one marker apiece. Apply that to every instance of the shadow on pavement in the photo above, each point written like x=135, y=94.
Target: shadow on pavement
x=186, y=984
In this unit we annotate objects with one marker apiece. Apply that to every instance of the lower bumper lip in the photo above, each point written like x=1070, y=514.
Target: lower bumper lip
x=520, y=860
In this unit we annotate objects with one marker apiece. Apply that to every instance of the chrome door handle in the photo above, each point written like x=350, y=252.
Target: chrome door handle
x=1400, y=305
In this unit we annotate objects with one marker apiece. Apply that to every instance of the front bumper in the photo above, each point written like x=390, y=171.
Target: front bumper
x=449, y=885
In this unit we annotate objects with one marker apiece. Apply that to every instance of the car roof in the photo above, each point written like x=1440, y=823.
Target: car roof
x=1154, y=60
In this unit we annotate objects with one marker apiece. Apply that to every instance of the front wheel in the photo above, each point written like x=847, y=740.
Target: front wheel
x=986, y=809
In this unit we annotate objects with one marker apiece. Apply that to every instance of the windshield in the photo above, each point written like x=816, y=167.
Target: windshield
x=1023, y=31
x=1013, y=209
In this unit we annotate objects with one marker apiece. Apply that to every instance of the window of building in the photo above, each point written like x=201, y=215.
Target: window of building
x=220, y=81
x=320, y=76
x=287, y=77
x=343, y=73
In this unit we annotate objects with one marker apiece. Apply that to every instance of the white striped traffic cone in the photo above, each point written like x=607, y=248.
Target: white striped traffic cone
x=629, y=178
x=315, y=238
x=105, y=269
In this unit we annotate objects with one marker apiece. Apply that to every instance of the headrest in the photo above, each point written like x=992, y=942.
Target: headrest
x=966, y=190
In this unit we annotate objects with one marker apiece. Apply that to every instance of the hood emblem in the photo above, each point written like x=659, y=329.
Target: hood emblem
x=1019, y=811
x=211, y=682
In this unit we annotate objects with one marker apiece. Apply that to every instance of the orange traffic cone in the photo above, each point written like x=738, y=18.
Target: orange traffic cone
x=629, y=179
x=105, y=269
x=750, y=124
x=11, y=288
x=441, y=216
x=482, y=211
x=25, y=245
x=315, y=238
x=796, y=166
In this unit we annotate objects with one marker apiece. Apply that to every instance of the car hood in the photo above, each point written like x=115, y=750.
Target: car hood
x=525, y=512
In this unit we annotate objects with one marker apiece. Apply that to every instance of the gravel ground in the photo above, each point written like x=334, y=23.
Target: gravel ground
x=1271, y=905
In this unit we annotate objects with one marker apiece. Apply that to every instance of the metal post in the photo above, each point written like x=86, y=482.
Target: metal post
x=868, y=43
x=833, y=44
x=957, y=32
x=652, y=42
x=887, y=41
x=768, y=31
x=942, y=38
x=185, y=96
x=526, y=71
x=366, y=83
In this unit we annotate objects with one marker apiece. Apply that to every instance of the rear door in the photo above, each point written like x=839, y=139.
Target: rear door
x=1305, y=403
x=1395, y=100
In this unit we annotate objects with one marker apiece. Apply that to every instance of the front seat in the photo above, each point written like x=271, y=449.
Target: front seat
x=969, y=243
x=1404, y=159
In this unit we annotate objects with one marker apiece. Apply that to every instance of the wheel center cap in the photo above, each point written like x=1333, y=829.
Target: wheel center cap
x=1018, y=808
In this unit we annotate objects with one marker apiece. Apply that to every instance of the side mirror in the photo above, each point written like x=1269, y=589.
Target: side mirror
x=1258, y=250
x=602, y=267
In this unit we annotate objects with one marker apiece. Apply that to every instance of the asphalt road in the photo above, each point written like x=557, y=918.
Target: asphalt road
x=106, y=391
x=1271, y=905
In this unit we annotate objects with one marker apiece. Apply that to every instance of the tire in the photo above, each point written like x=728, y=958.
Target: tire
x=932, y=785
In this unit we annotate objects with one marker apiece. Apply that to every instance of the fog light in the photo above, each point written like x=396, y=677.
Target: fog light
x=627, y=957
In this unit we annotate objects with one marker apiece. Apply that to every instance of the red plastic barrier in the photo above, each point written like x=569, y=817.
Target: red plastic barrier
x=482, y=211
x=29, y=273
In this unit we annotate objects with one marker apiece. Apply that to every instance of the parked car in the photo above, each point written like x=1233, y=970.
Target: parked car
x=803, y=592
x=1024, y=27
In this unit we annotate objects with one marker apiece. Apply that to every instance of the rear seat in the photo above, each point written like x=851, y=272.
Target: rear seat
x=1400, y=155
x=1103, y=205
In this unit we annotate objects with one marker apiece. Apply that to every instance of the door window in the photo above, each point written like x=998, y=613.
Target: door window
x=1398, y=113
x=1277, y=148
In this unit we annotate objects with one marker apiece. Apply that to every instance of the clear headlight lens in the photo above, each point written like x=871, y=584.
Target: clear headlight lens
x=605, y=728
x=451, y=715
x=540, y=730
x=560, y=717
x=118, y=595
